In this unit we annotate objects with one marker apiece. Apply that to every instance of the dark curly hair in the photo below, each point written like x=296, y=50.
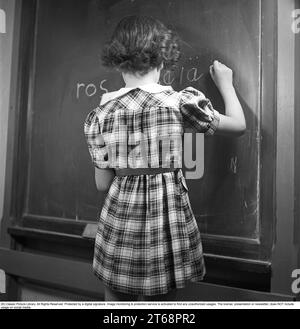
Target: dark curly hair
x=139, y=44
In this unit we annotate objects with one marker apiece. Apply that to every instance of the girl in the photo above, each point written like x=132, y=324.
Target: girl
x=148, y=243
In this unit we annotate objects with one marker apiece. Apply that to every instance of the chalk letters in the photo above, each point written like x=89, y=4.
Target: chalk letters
x=89, y=90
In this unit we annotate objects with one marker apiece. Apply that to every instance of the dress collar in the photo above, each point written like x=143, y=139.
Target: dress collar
x=151, y=88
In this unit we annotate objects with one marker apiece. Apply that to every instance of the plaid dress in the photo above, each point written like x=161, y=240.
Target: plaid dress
x=148, y=241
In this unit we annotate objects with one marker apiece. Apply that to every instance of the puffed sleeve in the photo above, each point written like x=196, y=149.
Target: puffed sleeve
x=198, y=112
x=95, y=141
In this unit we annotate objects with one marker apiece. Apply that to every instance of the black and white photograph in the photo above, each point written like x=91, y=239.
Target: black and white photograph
x=149, y=154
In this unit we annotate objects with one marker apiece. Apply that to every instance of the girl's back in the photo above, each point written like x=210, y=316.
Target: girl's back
x=148, y=242
x=143, y=127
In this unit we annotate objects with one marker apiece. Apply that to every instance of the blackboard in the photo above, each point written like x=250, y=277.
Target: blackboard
x=69, y=80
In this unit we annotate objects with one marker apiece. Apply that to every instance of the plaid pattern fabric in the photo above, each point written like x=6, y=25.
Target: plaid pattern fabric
x=148, y=240
x=146, y=118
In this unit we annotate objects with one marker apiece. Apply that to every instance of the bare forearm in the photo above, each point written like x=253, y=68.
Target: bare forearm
x=233, y=108
x=233, y=123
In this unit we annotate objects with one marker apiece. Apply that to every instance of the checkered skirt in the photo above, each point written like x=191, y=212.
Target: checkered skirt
x=148, y=241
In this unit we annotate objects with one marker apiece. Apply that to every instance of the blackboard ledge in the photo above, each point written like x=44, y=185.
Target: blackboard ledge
x=223, y=270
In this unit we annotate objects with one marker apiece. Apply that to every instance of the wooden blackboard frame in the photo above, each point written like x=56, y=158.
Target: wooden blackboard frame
x=297, y=135
x=235, y=255
x=60, y=273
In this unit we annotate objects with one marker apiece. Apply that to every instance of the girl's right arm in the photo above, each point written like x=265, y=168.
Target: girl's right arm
x=233, y=123
x=104, y=178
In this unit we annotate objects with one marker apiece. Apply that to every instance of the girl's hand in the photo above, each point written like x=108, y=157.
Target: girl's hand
x=222, y=76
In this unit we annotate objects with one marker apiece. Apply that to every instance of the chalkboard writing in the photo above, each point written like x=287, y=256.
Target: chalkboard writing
x=69, y=81
x=185, y=76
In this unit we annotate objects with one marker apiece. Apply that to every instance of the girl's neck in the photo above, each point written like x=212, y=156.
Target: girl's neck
x=132, y=80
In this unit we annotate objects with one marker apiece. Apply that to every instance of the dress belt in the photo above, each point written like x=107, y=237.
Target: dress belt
x=143, y=171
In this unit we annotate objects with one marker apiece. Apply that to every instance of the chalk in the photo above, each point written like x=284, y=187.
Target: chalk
x=90, y=231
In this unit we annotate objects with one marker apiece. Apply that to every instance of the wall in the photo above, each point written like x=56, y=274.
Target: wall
x=7, y=9
x=6, y=41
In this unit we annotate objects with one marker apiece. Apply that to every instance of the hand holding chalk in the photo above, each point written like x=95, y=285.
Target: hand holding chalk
x=221, y=75
x=233, y=122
